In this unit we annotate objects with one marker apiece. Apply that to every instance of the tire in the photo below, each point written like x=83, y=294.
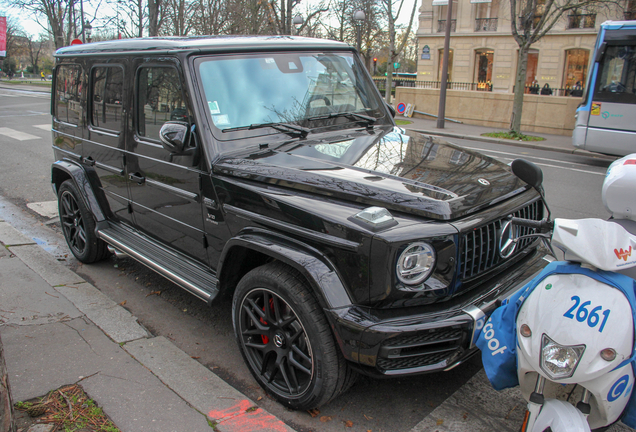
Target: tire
x=288, y=346
x=78, y=225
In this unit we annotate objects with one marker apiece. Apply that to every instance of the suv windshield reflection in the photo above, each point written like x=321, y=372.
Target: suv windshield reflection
x=284, y=88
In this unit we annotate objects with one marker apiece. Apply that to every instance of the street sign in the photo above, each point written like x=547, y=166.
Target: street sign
x=396, y=65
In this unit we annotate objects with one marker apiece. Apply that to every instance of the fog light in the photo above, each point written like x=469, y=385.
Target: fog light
x=525, y=331
x=608, y=354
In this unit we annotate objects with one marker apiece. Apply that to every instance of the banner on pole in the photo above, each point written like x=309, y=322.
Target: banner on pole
x=3, y=36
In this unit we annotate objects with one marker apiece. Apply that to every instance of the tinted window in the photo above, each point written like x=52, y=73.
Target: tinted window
x=617, y=75
x=159, y=100
x=68, y=93
x=107, y=97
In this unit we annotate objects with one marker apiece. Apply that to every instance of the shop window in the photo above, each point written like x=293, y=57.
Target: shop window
x=575, y=73
x=531, y=71
x=483, y=69
x=450, y=64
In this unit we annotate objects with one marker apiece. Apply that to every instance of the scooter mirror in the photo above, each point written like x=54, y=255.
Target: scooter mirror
x=528, y=172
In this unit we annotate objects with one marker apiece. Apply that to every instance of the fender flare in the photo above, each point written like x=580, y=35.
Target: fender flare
x=317, y=269
x=62, y=169
x=560, y=416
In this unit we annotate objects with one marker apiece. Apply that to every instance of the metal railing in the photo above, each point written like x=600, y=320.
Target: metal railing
x=451, y=85
x=441, y=25
x=581, y=21
x=553, y=91
x=486, y=24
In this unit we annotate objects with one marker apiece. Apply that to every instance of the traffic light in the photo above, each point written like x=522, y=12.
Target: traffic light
x=375, y=61
x=375, y=65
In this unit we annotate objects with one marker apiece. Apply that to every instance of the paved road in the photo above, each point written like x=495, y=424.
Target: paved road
x=573, y=184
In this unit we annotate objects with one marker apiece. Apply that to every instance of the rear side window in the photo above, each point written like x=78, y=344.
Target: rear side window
x=68, y=93
x=160, y=99
x=107, y=92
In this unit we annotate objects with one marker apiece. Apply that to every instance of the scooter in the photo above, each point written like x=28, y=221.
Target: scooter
x=573, y=324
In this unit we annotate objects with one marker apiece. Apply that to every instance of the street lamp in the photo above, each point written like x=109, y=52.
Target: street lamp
x=358, y=17
x=298, y=22
x=88, y=29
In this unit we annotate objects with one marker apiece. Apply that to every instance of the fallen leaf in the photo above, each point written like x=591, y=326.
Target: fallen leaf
x=259, y=398
x=122, y=303
x=440, y=422
x=465, y=416
x=325, y=419
x=348, y=423
x=153, y=293
x=313, y=412
x=195, y=357
x=367, y=417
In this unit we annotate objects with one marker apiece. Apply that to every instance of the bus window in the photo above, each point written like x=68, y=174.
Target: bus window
x=617, y=75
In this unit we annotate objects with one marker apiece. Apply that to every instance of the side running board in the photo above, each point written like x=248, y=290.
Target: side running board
x=181, y=270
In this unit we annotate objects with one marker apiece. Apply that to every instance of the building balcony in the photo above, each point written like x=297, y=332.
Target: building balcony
x=486, y=24
x=441, y=25
x=581, y=21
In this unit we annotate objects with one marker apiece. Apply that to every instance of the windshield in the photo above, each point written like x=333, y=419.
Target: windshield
x=617, y=75
x=264, y=88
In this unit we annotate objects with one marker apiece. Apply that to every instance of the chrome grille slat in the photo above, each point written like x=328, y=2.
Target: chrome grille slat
x=480, y=249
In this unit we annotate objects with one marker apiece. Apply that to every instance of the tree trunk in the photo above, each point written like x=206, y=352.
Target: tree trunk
x=391, y=57
x=520, y=87
x=6, y=406
x=153, y=17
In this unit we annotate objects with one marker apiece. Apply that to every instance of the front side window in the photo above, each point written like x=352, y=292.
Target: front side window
x=68, y=93
x=617, y=75
x=107, y=93
x=159, y=99
x=251, y=90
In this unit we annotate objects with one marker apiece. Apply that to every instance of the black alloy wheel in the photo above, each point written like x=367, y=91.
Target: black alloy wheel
x=78, y=226
x=285, y=338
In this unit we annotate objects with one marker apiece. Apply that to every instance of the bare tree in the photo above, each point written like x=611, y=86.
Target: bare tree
x=154, y=17
x=35, y=49
x=530, y=21
x=393, y=51
x=180, y=16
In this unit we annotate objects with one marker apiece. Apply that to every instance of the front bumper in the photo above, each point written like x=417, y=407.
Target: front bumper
x=420, y=340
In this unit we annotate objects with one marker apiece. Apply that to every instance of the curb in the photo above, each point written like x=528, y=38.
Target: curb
x=524, y=144
x=24, y=87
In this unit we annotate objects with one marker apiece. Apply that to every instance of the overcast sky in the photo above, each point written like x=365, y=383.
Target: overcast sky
x=33, y=29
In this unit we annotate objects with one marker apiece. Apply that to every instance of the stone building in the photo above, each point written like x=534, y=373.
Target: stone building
x=484, y=53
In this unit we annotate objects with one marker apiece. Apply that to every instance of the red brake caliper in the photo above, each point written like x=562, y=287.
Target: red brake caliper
x=271, y=308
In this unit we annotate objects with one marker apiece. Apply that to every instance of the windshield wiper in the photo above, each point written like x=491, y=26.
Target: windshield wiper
x=287, y=128
x=368, y=120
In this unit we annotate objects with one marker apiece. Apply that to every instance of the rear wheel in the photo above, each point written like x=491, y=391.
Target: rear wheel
x=78, y=225
x=285, y=339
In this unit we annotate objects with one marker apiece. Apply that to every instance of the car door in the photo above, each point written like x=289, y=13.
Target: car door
x=164, y=187
x=104, y=148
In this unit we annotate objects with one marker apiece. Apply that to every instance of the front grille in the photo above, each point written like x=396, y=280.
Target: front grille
x=479, y=249
x=424, y=348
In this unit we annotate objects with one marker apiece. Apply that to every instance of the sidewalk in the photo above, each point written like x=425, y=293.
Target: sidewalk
x=557, y=143
x=58, y=329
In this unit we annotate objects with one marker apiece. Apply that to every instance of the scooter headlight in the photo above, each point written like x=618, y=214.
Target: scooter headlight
x=559, y=361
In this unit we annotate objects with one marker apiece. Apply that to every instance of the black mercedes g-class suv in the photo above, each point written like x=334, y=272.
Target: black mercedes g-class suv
x=271, y=169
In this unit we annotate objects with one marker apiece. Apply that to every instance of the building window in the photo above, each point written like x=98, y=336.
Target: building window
x=578, y=20
x=486, y=14
x=442, y=12
x=630, y=11
x=450, y=64
x=483, y=69
x=536, y=17
x=575, y=72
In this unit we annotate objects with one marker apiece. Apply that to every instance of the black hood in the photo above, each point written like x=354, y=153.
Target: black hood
x=401, y=171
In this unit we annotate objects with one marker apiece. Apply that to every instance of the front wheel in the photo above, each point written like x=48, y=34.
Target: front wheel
x=285, y=339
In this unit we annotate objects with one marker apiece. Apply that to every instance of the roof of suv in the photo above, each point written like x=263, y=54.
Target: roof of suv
x=200, y=44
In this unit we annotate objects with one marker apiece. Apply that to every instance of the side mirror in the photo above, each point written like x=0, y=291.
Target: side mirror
x=391, y=109
x=175, y=136
x=528, y=172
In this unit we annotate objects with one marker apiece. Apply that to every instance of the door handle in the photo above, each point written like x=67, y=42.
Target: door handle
x=136, y=177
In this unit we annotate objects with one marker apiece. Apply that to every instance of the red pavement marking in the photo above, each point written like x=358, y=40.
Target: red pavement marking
x=237, y=418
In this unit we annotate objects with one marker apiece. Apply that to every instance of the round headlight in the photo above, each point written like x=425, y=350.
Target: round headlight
x=416, y=263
